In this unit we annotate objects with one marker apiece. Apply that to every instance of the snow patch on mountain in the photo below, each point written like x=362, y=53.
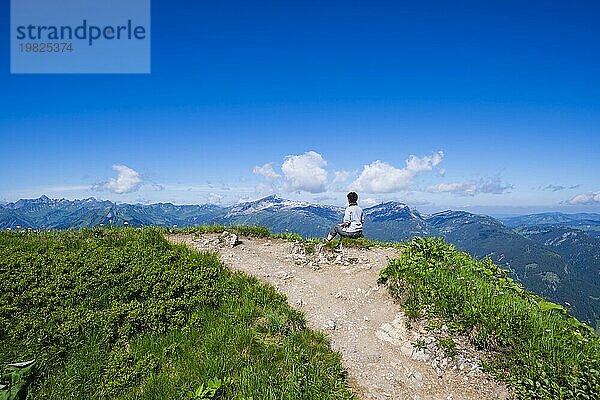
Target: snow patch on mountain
x=392, y=209
x=274, y=203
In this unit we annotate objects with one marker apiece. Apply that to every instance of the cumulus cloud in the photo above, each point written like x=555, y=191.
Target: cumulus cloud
x=381, y=177
x=305, y=172
x=425, y=163
x=263, y=189
x=340, y=176
x=585, y=198
x=472, y=188
x=127, y=181
x=266, y=170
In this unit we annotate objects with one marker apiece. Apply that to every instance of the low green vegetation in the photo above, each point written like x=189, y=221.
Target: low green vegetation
x=124, y=314
x=264, y=232
x=248, y=231
x=533, y=344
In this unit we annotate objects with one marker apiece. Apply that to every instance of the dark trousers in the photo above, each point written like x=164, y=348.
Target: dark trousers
x=338, y=230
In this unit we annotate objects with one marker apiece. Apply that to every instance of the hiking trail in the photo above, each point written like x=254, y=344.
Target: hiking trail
x=338, y=294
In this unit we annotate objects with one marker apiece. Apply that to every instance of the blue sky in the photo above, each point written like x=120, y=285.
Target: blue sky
x=498, y=103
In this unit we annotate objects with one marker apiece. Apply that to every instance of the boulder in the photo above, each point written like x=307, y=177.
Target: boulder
x=229, y=239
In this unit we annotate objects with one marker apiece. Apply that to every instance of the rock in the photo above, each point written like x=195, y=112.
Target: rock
x=407, y=349
x=419, y=355
x=300, y=261
x=229, y=239
x=298, y=248
x=416, y=379
x=330, y=324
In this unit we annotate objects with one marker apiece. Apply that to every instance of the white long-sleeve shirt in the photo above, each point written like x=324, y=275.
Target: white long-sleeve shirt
x=355, y=217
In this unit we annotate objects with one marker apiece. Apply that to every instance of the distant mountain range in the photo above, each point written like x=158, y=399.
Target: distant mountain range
x=587, y=222
x=553, y=254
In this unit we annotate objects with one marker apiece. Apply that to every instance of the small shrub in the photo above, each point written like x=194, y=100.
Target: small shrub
x=420, y=344
x=448, y=345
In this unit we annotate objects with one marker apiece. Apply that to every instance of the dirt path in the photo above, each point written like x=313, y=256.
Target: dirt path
x=338, y=293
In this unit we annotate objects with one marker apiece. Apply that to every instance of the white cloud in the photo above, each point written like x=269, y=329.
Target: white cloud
x=214, y=198
x=60, y=189
x=381, y=177
x=558, y=188
x=305, y=172
x=127, y=181
x=340, y=176
x=425, y=163
x=463, y=189
x=262, y=189
x=266, y=170
x=472, y=188
x=586, y=198
x=494, y=186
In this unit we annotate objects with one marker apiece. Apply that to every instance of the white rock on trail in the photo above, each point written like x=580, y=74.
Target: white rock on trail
x=330, y=324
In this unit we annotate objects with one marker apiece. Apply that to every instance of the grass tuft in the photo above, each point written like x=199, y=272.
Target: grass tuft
x=536, y=347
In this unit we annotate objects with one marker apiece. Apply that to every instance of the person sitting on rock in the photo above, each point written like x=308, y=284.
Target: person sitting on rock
x=352, y=226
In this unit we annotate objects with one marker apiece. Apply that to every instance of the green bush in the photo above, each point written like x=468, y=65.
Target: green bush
x=536, y=346
x=123, y=313
x=57, y=289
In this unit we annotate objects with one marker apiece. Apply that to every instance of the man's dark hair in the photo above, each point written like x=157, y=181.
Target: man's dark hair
x=352, y=197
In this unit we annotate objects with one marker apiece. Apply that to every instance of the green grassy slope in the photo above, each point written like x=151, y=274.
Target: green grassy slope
x=533, y=344
x=122, y=313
